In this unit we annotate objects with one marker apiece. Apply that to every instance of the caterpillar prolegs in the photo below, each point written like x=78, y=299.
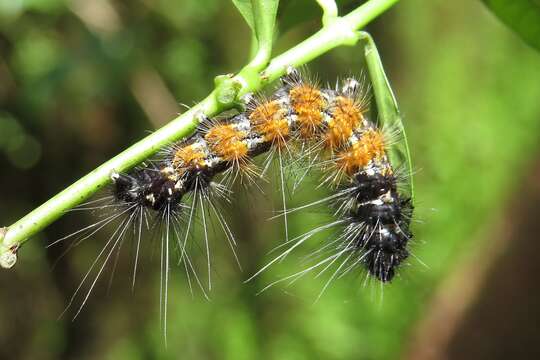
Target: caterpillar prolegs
x=302, y=120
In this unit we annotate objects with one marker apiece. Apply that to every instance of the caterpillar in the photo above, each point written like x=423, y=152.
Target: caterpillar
x=300, y=119
x=370, y=206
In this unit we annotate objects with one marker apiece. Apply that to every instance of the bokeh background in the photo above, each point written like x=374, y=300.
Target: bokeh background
x=82, y=80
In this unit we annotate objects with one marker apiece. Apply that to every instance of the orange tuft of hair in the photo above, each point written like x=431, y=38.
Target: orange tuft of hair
x=346, y=117
x=188, y=158
x=308, y=103
x=227, y=142
x=269, y=121
x=370, y=146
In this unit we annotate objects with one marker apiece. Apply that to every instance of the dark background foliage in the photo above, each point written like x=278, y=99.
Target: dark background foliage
x=81, y=80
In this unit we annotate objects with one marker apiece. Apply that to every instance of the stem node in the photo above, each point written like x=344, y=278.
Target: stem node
x=8, y=259
x=8, y=255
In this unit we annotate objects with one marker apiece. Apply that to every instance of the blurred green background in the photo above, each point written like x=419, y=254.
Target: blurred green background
x=81, y=80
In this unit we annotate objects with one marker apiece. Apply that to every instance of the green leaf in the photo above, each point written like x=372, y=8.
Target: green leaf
x=260, y=15
x=245, y=8
x=261, y=18
x=523, y=16
x=387, y=108
x=264, y=12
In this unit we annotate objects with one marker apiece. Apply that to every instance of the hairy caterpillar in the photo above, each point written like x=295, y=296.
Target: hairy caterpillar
x=302, y=120
x=374, y=214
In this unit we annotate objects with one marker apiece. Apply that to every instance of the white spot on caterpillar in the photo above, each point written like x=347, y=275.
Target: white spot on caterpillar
x=350, y=86
x=151, y=198
x=247, y=98
x=114, y=176
x=290, y=70
x=167, y=170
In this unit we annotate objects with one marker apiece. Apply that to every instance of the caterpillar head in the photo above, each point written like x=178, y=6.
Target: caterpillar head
x=147, y=188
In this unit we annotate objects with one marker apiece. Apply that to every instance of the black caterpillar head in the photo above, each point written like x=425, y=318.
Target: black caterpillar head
x=148, y=188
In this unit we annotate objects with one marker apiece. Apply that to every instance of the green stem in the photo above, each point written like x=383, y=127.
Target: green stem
x=341, y=31
x=330, y=11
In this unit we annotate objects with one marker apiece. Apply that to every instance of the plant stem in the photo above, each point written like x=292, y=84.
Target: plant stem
x=341, y=31
x=330, y=11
